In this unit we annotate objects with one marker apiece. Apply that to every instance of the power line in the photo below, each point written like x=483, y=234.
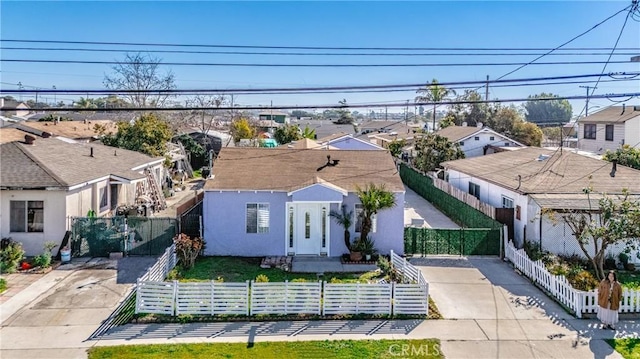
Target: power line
x=68, y=49
x=317, y=47
x=237, y=64
x=302, y=107
x=327, y=88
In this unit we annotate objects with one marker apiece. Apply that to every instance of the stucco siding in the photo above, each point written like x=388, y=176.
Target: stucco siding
x=600, y=144
x=54, y=218
x=474, y=148
x=632, y=132
x=317, y=193
x=349, y=143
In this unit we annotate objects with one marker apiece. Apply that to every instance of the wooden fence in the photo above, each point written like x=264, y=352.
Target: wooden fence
x=463, y=196
x=252, y=298
x=580, y=302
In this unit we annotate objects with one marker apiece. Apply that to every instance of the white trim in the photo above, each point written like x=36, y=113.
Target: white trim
x=489, y=130
x=352, y=138
x=148, y=164
x=327, y=248
x=83, y=184
x=327, y=185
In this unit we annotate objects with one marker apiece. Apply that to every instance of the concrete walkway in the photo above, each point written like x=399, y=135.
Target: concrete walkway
x=419, y=212
x=500, y=314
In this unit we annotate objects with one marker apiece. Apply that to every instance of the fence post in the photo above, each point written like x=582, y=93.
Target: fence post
x=286, y=297
x=322, y=297
x=578, y=303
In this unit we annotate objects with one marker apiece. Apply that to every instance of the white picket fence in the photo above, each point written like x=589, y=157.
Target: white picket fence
x=164, y=264
x=319, y=298
x=580, y=302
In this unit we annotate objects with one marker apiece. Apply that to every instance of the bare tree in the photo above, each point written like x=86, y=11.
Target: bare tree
x=141, y=72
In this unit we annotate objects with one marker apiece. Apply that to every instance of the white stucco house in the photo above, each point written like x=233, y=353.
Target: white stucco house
x=609, y=129
x=532, y=180
x=45, y=181
x=478, y=141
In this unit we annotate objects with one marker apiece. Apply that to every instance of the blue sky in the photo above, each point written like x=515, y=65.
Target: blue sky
x=334, y=24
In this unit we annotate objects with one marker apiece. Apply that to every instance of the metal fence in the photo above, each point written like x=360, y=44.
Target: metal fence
x=462, y=241
x=97, y=237
x=458, y=211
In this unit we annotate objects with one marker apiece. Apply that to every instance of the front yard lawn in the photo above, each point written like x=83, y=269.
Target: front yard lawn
x=240, y=269
x=364, y=349
x=629, y=348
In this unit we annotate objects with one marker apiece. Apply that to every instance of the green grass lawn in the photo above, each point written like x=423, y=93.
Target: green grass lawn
x=363, y=349
x=240, y=269
x=629, y=348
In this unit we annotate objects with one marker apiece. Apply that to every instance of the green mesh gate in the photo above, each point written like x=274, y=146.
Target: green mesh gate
x=463, y=241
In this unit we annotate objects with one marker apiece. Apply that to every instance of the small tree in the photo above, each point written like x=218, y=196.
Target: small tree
x=617, y=220
x=286, y=134
x=432, y=150
x=395, y=147
x=242, y=129
x=625, y=156
x=374, y=199
x=148, y=134
x=188, y=249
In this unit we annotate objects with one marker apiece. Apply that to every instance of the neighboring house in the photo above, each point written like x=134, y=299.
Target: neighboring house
x=531, y=180
x=478, y=141
x=275, y=202
x=306, y=143
x=348, y=142
x=80, y=131
x=44, y=183
x=11, y=134
x=266, y=126
x=325, y=128
x=387, y=127
x=609, y=129
x=10, y=108
x=277, y=116
x=384, y=139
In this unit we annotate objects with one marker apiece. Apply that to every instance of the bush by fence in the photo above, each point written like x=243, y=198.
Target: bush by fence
x=579, y=302
x=455, y=209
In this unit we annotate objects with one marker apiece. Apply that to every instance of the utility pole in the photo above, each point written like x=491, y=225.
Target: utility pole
x=486, y=90
x=586, y=106
x=54, y=96
x=406, y=114
x=232, y=113
x=385, y=113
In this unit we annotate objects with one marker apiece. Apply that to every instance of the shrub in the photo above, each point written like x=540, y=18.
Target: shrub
x=43, y=260
x=624, y=258
x=188, y=249
x=261, y=278
x=584, y=281
x=610, y=262
x=559, y=268
x=10, y=256
x=533, y=250
x=3, y=285
x=384, y=265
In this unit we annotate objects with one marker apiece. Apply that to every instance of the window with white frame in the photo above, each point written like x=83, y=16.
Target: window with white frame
x=359, y=211
x=257, y=218
x=26, y=216
x=507, y=202
x=104, y=199
x=474, y=190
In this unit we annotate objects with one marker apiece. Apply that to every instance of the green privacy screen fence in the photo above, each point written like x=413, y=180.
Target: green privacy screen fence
x=480, y=235
x=97, y=237
x=461, y=213
x=462, y=241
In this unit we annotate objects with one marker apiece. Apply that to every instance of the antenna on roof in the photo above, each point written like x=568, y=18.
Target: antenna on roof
x=614, y=168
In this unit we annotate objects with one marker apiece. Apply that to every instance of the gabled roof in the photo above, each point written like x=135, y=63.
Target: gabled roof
x=542, y=171
x=349, y=138
x=50, y=162
x=306, y=143
x=332, y=137
x=613, y=114
x=280, y=169
x=458, y=133
x=70, y=129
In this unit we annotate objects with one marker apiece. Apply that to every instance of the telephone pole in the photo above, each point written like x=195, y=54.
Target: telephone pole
x=586, y=106
x=486, y=90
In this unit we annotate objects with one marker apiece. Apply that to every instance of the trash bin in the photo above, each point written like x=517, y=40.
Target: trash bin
x=65, y=255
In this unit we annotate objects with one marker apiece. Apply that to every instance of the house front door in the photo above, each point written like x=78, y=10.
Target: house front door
x=308, y=232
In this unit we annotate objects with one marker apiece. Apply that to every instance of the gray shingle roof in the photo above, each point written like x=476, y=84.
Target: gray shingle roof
x=613, y=114
x=51, y=162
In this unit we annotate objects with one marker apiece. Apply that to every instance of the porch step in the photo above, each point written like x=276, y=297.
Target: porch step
x=282, y=262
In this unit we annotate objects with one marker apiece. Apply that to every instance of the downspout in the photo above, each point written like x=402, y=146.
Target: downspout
x=540, y=241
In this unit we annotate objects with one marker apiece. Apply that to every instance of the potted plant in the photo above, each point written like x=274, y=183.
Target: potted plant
x=345, y=219
x=368, y=248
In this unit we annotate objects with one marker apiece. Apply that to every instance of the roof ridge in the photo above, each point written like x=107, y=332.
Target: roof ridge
x=57, y=178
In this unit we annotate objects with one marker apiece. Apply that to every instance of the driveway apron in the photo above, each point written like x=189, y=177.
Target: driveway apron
x=516, y=318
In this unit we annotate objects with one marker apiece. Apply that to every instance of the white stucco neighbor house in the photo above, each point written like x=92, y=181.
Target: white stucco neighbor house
x=44, y=182
x=478, y=141
x=276, y=202
x=609, y=129
x=534, y=179
x=345, y=141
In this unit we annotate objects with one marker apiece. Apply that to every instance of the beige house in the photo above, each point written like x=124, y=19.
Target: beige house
x=609, y=129
x=45, y=183
x=10, y=108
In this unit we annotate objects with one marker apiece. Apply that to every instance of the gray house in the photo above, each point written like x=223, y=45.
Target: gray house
x=263, y=202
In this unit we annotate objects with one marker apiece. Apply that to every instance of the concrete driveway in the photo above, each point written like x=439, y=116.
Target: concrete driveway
x=419, y=212
x=54, y=317
x=505, y=316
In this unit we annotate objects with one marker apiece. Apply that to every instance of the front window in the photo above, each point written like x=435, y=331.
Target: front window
x=507, y=202
x=608, y=133
x=104, y=203
x=359, y=211
x=257, y=218
x=26, y=216
x=590, y=131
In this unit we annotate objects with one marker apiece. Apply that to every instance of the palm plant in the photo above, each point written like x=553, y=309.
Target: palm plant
x=374, y=199
x=434, y=93
x=345, y=219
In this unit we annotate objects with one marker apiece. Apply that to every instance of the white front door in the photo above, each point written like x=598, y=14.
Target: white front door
x=308, y=229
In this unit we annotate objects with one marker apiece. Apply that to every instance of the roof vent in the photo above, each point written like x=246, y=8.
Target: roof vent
x=91, y=152
x=623, y=108
x=542, y=157
x=29, y=140
x=46, y=134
